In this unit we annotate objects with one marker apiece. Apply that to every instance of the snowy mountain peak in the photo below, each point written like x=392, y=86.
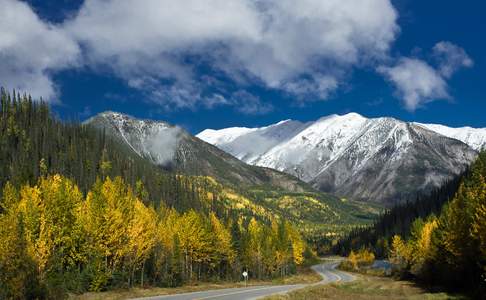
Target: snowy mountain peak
x=338, y=153
x=474, y=137
x=175, y=149
x=223, y=136
x=156, y=140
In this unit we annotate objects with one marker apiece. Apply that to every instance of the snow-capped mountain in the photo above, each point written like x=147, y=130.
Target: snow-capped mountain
x=474, y=137
x=173, y=148
x=381, y=159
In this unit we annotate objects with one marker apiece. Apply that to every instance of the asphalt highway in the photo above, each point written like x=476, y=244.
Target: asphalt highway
x=327, y=271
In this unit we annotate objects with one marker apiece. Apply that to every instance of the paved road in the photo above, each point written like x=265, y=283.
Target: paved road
x=329, y=273
x=326, y=270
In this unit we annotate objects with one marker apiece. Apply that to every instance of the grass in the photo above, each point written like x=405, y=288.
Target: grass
x=365, y=288
x=303, y=275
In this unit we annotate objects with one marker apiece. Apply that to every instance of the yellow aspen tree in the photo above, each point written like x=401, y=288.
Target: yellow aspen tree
x=118, y=214
x=195, y=241
x=10, y=198
x=298, y=245
x=108, y=211
x=91, y=219
x=61, y=198
x=17, y=270
x=142, y=236
x=422, y=245
x=280, y=245
x=254, y=247
x=172, y=258
x=31, y=208
x=399, y=253
x=164, y=247
x=353, y=260
x=224, y=252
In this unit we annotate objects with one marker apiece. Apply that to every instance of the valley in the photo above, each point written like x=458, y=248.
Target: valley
x=245, y=188
x=125, y=203
x=243, y=149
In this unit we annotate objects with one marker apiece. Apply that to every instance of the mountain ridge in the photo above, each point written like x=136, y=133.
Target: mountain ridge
x=173, y=148
x=341, y=154
x=475, y=137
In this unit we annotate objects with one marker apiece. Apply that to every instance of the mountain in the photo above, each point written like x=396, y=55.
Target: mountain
x=237, y=186
x=382, y=160
x=34, y=145
x=474, y=137
x=174, y=149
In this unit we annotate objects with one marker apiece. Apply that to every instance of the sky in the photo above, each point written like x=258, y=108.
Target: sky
x=219, y=63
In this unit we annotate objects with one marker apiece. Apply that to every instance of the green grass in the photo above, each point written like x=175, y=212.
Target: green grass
x=365, y=288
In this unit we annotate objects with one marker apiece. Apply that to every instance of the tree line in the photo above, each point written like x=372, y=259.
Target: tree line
x=443, y=246
x=54, y=240
x=80, y=212
x=34, y=142
x=397, y=220
x=450, y=249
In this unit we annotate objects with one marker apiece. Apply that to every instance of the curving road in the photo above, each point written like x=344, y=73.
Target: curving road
x=327, y=271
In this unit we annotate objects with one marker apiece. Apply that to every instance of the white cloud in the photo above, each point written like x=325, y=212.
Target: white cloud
x=451, y=58
x=171, y=49
x=417, y=82
x=30, y=49
x=275, y=43
x=319, y=86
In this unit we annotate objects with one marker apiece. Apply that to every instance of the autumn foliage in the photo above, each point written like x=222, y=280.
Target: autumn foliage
x=53, y=239
x=450, y=249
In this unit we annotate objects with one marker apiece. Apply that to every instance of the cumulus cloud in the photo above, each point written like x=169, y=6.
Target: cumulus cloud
x=417, y=82
x=31, y=49
x=176, y=51
x=278, y=44
x=451, y=58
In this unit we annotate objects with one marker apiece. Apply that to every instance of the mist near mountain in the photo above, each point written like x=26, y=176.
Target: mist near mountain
x=174, y=149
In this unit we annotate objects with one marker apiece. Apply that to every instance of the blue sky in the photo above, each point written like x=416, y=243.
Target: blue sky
x=251, y=63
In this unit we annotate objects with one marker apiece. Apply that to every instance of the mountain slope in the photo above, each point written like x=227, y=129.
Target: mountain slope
x=241, y=188
x=173, y=148
x=34, y=144
x=474, y=137
x=382, y=159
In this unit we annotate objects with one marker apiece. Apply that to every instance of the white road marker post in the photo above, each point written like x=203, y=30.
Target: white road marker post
x=245, y=275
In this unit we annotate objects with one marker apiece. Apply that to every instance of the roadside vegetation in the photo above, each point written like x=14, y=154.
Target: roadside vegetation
x=447, y=249
x=366, y=288
x=53, y=240
x=361, y=262
x=303, y=275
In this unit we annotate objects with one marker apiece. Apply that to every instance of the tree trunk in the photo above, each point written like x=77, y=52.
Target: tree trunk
x=143, y=271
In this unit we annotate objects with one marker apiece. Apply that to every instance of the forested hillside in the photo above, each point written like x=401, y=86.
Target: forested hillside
x=444, y=246
x=397, y=220
x=450, y=249
x=54, y=240
x=32, y=143
x=80, y=212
